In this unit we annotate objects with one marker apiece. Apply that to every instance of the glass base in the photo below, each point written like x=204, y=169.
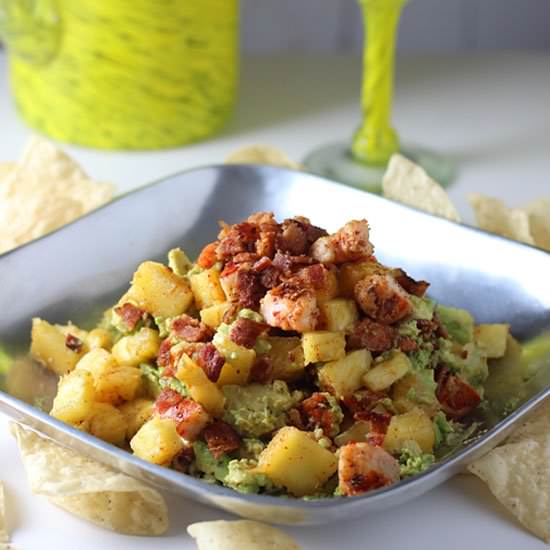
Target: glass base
x=334, y=161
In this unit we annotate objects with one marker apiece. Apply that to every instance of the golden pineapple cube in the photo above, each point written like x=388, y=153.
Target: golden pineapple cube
x=178, y=261
x=287, y=356
x=206, y=288
x=323, y=345
x=339, y=314
x=136, y=413
x=99, y=338
x=328, y=288
x=137, y=348
x=492, y=338
x=159, y=291
x=201, y=389
x=414, y=425
x=106, y=422
x=358, y=431
x=415, y=389
x=240, y=357
x=157, y=441
x=384, y=374
x=48, y=347
x=97, y=361
x=351, y=273
x=344, y=376
x=213, y=315
x=233, y=375
x=75, y=397
x=296, y=461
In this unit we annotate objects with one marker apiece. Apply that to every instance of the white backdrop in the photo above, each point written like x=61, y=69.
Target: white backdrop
x=426, y=25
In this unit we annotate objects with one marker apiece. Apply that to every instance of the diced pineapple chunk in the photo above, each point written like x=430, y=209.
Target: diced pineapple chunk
x=492, y=338
x=99, y=338
x=338, y=314
x=159, y=291
x=206, y=288
x=323, y=345
x=296, y=461
x=201, y=389
x=384, y=374
x=233, y=375
x=48, y=347
x=352, y=272
x=75, y=397
x=240, y=357
x=136, y=412
x=137, y=348
x=157, y=441
x=357, y=432
x=107, y=422
x=328, y=288
x=287, y=356
x=344, y=376
x=415, y=389
x=414, y=425
x=213, y=315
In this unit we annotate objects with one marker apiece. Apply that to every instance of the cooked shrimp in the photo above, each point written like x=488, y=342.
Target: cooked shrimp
x=291, y=306
x=363, y=467
x=350, y=243
x=382, y=298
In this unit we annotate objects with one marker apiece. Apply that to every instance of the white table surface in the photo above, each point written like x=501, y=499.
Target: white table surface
x=490, y=113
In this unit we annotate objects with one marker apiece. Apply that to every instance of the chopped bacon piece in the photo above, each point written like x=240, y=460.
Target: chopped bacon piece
x=130, y=314
x=249, y=289
x=183, y=459
x=207, y=257
x=373, y=336
x=189, y=416
x=245, y=257
x=430, y=328
x=456, y=396
x=382, y=299
x=363, y=467
x=418, y=288
x=379, y=421
x=361, y=402
x=261, y=371
x=267, y=238
x=74, y=343
x=245, y=332
x=191, y=330
x=237, y=238
x=407, y=344
x=211, y=361
x=286, y=263
x=376, y=439
x=316, y=412
x=270, y=277
x=293, y=238
x=221, y=438
x=163, y=356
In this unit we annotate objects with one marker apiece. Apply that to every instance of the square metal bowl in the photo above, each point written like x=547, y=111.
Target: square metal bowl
x=81, y=269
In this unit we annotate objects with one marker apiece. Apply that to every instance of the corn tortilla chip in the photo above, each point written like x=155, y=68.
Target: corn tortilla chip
x=539, y=220
x=88, y=489
x=240, y=535
x=406, y=182
x=44, y=191
x=262, y=154
x=3, y=527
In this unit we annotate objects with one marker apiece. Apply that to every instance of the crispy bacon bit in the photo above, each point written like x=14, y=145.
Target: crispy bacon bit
x=382, y=299
x=245, y=332
x=261, y=371
x=207, y=257
x=221, y=438
x=189, y=416
x=73, y=343
x=379, y=421
x=237, y=238
x=418, y=288
x=249, y=289
x=163, y=356
x=183, y=459
x=293, y=238
x=373, y=336
x=270, y=277
x=286, y=263
x=295, y=419
x=316, y=412
x=376, y=439
x=191, y=330
x=407, y=344
x=130, y=314
x=456, y=396
x=267, y=238
x=245, y=257
x=211, y=361
x=231, y=314
x=361, y=402
x=363, y=467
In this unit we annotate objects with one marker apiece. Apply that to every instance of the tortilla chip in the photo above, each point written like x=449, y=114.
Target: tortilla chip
x=406, y=182
x=240, y=535
x=539, y=220
x=44, y=191
x=3, y=527
x=88, y=489
x=494, y=216
x=262, y=154
x=518, y=473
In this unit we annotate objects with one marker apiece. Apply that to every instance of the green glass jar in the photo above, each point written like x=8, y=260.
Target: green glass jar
x=123, y=74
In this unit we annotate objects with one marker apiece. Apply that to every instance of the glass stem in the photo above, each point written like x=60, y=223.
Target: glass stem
x=376, y=140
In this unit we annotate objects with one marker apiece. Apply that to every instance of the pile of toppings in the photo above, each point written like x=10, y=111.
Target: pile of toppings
x=286, y=361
